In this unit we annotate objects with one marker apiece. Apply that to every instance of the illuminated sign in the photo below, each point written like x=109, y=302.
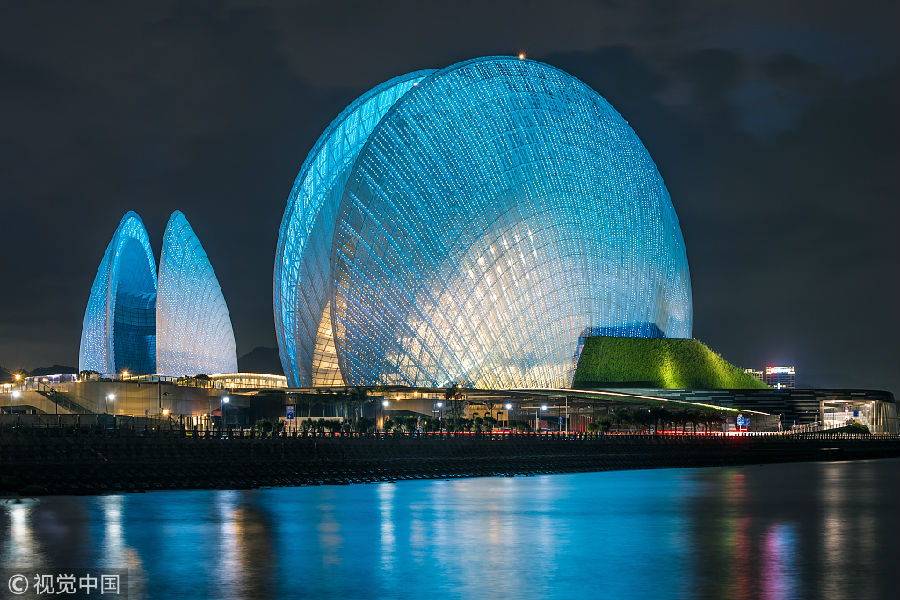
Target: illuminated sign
x=779, y=370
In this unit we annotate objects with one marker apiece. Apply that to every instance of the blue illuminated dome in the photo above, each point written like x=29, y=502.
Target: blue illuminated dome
x=494, y=212
x=193, y=328
x=302, y=261
x=119, y=329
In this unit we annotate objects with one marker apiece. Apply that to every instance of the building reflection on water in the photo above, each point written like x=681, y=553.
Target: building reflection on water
x=772, y=532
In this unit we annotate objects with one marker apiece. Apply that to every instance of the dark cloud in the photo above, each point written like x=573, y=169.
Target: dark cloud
x=774, y=126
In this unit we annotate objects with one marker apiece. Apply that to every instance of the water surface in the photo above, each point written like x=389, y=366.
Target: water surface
x=800, y=530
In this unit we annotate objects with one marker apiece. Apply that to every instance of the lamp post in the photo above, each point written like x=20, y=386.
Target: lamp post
x=108, y=398
x=537, y=420
x=440, y=406
x=508, y=408
x=225, y=400
x=14, y=394
x=384, y=405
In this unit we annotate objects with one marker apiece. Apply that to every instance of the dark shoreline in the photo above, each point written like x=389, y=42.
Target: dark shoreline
x=95, y=464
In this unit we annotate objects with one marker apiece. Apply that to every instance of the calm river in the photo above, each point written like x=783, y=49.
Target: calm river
x=802, y=530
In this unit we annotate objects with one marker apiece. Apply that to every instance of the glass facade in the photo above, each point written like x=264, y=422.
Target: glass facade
x=302, y=280
x=119, y=329
x=193, y=328
x=494, y=211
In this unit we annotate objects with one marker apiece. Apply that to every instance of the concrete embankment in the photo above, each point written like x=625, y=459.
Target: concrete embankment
x=46, y=463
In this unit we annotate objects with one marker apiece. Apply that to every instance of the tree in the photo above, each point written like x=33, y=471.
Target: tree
x=410, y=424
x=263, y=426
x=619, y=416
x=693, y=416
x=364, y=425
x=605, y=424
x=479, y=424
x=660, y=416
x=641, y=418
x=332, y=425
x=489, y=403
x=456, y=405
x=357, y=398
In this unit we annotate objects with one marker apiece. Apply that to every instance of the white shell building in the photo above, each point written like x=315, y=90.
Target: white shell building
x=193, y=328
x=468, y=225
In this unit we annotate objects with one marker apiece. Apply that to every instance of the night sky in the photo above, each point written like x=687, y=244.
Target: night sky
x=774, y=124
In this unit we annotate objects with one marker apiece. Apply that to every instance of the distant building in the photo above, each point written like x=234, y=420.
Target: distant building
x=780, y=377
x=756, y=374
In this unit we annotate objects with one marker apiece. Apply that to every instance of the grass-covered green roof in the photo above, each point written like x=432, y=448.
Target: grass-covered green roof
x=661, y=363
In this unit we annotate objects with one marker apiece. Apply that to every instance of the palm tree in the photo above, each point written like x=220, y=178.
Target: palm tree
x=455, y=404
x=658, y=414
x=357, y=398
x=620, y=416
x=641, y=418
x=605, y=424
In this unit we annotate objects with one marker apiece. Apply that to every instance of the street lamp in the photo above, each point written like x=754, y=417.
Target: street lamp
x=225, y=400
x=537, y=419
x=15, y=394
x=508, y=408
x=108, y=398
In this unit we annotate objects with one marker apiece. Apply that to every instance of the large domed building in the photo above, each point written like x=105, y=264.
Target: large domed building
x=469, y=225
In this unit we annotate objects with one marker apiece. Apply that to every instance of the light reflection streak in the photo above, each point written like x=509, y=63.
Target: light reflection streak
x=779, y=555
x=388, y=548
x=21, y=549
x=835, y=530
x=227, y=569
x=113, y=543
x=328, y=529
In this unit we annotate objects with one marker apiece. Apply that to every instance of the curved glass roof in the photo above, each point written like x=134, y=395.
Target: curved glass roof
x=302, y=283
x=119, y=328
x=193, y=328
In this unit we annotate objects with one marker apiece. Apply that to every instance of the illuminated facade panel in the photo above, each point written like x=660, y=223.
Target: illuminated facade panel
x=302, y=277
x=193, y=327
x=498, y=209
x=119, y=328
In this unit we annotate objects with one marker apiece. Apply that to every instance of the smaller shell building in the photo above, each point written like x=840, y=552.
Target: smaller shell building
x=468, y=225
x=175, y=323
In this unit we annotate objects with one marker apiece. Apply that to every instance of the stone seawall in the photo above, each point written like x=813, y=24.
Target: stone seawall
x=36, y=464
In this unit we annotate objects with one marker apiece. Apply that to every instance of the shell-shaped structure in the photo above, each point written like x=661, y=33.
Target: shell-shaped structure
x=193, y=327
x=119, y=328
x=498, y=210
x=302, y=277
